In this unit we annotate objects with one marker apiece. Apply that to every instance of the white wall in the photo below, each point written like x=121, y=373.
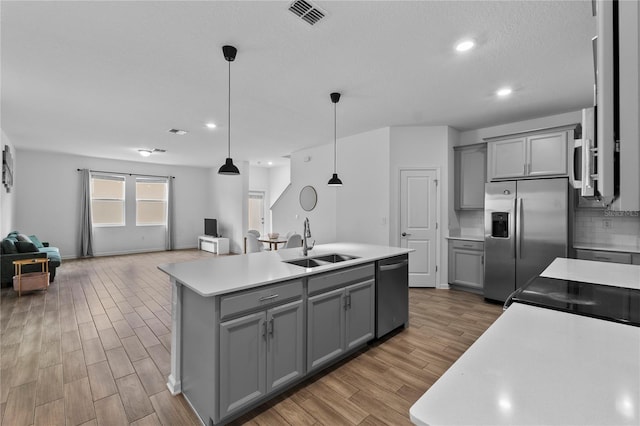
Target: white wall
x=228, y=204
x=477, y=135
x=423, y=147
x=279, y=179
x=259, y=181
x=363, y=201
x=287, y=213
x=48, y=205
x=7, y=197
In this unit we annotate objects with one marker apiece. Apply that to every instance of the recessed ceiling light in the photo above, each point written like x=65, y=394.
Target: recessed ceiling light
x=177, y=131
x=505, y=91
x=465, y=45
x=145, y=152
x=211, y=125
x=270, y=163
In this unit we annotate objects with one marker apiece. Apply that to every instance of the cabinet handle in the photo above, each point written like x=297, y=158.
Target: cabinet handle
x=349, y=301
x=482, y=260
x=524, y=169
x=264, y=330
x=602, y=258
x=271, y=327
x=467, y=245
x=346, y=306
x=273, y=296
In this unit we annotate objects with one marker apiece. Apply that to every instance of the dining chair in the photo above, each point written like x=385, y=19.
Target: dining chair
x=295, y=240
x=254, y=232
x=252, y=243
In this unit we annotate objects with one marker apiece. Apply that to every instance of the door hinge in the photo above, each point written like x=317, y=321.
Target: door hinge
x=436, y=225
x=436, y=268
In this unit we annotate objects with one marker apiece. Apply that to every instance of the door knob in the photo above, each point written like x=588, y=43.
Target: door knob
x=404, y=234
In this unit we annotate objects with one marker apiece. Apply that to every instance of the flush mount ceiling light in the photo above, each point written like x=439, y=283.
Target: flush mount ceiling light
x=505, y=91
x=228, y=168
x=335, y=180
x=148, y=152
x=211, y=125
x=465, y=45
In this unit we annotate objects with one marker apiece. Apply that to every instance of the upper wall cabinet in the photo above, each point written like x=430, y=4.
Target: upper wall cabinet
x=529, y=155
x=470, y=176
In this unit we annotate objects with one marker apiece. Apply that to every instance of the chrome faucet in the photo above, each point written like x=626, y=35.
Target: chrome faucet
x=306, y=234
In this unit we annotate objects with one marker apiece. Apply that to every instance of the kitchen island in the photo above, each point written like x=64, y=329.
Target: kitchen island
x=245, y=328
x=541, y=366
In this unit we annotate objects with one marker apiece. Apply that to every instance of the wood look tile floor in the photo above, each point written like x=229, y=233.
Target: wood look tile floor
x=95, y=350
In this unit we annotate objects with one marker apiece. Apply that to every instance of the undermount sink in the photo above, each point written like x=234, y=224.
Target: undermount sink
x=327, y=259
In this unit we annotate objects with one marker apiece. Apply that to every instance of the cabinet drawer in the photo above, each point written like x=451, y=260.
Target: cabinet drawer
x=238, y=303
x=467, y=244
x=604, y=256
x=339, y=278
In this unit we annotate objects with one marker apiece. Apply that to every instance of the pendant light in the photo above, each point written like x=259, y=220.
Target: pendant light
x=228, y=168
x=335, y=180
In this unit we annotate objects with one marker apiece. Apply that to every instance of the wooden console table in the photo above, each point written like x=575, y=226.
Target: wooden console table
x=31, y=280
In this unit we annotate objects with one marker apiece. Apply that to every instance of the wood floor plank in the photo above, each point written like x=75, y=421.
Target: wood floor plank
x=70, y=341
x=170, y=410
x=73, y=366
x=110, y=411
x=134, y=348
x=136, y=402
x=293, y=413
x=26, y=369
x=101, y=380
x=78, y=402
x=150, y=420
x=50, y=385
x=20, y=405
x=50, y=414
x=109, y=338
x=152, y=381
x=119, y=362
x=51, y=353
x=93, y=351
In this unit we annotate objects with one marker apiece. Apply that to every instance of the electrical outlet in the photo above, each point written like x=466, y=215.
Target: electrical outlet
x=606, y=223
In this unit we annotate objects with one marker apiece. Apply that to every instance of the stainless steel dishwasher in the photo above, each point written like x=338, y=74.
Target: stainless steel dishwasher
x=392, y=294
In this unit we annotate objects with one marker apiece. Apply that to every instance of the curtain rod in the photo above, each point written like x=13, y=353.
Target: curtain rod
x=129, y=174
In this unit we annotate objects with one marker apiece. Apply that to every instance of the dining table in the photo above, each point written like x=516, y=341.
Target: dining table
x=273, y=242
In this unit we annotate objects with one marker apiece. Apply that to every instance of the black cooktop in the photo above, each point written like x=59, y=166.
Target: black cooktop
x=594, y=300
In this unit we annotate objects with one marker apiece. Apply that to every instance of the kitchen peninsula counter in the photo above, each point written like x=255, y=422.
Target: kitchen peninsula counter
x=541, y=366
x=246, y=328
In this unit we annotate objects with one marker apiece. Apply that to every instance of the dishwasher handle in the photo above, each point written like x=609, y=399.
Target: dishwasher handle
x=392, y=266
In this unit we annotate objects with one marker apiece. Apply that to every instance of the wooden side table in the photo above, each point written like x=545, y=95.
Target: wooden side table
x=31, y=280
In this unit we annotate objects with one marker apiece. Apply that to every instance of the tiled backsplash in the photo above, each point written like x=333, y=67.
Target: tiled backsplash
x=607, y=227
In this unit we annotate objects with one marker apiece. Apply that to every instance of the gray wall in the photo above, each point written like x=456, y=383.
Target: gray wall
x=48, y=198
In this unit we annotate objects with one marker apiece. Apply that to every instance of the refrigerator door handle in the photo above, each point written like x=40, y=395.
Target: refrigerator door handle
x=512, y=229
x=519, y=226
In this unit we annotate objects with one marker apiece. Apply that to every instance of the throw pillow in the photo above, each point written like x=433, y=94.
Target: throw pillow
x=26, y=247
x=8, y=246
x=23, y=237
x=36, y=241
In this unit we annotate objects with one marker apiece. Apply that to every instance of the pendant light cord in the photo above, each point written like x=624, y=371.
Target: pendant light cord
x=335, y=133
x=229, y=115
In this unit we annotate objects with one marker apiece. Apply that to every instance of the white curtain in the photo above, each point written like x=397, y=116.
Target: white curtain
x=169, y=238
x=86, y=228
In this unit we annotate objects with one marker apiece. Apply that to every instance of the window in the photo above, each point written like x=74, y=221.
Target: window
x=151, y=201
x=107, y=200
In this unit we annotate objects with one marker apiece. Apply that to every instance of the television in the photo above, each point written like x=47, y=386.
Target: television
x=211, y=227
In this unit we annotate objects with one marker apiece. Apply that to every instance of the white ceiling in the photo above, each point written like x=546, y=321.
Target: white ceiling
x=106, y=78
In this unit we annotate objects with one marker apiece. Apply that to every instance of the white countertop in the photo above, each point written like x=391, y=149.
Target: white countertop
x=614, y=274
x=221, y=275
x=538, y=366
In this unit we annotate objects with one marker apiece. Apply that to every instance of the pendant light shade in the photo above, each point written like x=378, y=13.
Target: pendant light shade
x=335, y=180
x=228, y=168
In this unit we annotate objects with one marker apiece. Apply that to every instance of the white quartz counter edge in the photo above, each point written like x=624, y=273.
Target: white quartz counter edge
x=613, y=274
x=538, y=366
x=226, y=274
x=607, y=247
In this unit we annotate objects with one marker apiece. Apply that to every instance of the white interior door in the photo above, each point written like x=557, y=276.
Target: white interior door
x=418, y=224
x=256, y=211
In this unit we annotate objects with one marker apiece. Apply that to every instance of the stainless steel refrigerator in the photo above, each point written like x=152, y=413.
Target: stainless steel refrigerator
x=526, y=227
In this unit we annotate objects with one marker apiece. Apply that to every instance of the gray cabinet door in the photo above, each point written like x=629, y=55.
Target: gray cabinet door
x=467, y=267
x=242, y=365
x=507, y=158
x=285, y=344
x=360, y=315
x=325, y=335
x=470, y=176
x=547, y=154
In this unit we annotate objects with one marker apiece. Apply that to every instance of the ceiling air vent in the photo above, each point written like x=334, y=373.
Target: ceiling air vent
x=307, y=11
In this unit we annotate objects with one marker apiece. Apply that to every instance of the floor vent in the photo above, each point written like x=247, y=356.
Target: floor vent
x=307, y=11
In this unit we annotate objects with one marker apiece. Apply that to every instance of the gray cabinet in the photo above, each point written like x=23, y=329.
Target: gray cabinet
x=340, y=313
x=528, y=156
x=466, y=263
x=470, y=176
x=262, y=351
